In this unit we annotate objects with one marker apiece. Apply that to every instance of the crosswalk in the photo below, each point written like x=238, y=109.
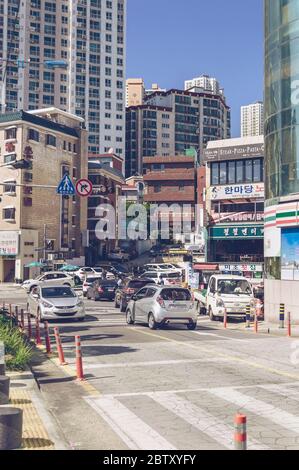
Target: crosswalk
x=146, y=421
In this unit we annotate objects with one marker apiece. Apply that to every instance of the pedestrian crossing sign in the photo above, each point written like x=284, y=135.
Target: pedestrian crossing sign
x=66, y=187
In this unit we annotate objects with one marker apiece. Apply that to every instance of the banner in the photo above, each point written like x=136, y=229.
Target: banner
x=239, y=191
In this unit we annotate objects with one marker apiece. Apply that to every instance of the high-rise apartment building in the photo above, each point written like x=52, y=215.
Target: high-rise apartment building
x=252, y=120
x=171, y=122
x=206, y=82
x=69, y=54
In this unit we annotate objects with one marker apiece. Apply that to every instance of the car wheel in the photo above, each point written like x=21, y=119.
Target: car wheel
x=211, y=315
x=153, y=325
x=122, y=307
x=129, y=318
x=192, y=326
x=31, y=288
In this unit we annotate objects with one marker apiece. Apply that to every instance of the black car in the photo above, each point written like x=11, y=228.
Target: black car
x=102, y=289
x=124, y=292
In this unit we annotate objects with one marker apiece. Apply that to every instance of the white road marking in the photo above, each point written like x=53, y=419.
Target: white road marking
x=152, y=363
x=201, y=333
x=201, y=420
x=259, y=407
x=134, y=432
x=283, y=390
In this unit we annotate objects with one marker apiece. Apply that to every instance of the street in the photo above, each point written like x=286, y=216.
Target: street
x=171, y=388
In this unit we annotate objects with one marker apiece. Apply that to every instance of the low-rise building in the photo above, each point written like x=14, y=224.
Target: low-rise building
x=235, y=205
x=35, y=222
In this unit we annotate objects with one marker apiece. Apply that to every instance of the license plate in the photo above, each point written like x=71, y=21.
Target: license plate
x=178, y=306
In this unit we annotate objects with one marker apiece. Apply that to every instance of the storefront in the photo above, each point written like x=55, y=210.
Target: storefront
x=17, y=249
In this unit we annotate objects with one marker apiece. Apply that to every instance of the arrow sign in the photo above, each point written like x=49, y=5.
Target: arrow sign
x=66, y=187
x=84, y=187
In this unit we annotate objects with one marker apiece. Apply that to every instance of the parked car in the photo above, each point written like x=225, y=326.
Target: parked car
x=82, y=272
x=113, y=267
x=127, y=289
x=107, y=272
x=118, y=255
x=163, y=267
x=88, y=282
x=157, y=306
x=102, y=289
x=163, y=277
x=55, y=302
x=230, y=293
x=50, y=278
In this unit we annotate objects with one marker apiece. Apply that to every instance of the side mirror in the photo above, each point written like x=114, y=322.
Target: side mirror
x=134, y=297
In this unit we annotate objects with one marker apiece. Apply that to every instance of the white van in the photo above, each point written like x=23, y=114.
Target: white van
x=233, y=293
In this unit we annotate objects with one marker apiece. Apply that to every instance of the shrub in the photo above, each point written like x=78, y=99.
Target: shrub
x=18, y=352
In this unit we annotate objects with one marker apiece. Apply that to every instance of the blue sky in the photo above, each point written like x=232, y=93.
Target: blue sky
x=170, y=41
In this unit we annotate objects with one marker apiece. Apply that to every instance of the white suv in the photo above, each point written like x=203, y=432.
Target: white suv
x=55, y=278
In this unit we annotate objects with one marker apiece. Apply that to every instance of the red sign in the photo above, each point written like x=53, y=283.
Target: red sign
x=84, y=188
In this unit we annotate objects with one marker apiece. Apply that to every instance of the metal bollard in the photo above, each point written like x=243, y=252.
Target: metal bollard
x=240, y=437
x=281, y=316
x=248, y=316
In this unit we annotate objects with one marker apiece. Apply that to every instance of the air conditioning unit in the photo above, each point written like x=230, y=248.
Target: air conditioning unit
x=51, y=257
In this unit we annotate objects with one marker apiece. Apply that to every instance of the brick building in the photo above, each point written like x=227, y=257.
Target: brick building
x=36, y=222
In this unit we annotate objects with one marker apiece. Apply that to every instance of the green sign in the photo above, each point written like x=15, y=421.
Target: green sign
x=191, y=152
x=240, y=232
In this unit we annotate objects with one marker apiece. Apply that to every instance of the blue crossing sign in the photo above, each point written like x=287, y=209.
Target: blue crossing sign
x=66, y=187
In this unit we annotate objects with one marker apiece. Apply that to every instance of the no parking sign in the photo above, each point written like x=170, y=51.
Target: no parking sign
x=84, y=187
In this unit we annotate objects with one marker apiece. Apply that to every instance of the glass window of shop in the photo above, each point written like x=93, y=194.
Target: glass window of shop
x=237, y=172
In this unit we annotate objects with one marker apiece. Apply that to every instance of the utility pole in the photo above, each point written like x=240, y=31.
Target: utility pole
x=45, y=241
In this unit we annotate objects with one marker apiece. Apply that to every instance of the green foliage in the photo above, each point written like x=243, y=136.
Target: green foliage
x=18, y=352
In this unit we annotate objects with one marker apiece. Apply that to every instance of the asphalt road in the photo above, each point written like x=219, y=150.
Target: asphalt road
x=172, y=388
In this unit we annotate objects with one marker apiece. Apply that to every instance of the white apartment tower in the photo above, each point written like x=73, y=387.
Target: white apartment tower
x=252, y=120
x=69, y=54
x=206, y=82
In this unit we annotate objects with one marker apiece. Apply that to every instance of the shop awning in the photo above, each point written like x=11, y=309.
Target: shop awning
x=205, y=267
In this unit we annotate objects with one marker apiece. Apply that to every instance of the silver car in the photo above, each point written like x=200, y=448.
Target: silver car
x=55, y=302
x=157, y=306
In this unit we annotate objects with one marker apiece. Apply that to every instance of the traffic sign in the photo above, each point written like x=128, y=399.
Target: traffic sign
x=84, y=187
x=66, y=187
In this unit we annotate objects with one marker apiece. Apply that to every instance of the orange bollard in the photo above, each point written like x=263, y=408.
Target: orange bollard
x=225, y=318
x=47, y=338
x=79, y=365
x=29, y=326
x=289, y=325
x=38, y=340
x=240, y=437
x=59, y=347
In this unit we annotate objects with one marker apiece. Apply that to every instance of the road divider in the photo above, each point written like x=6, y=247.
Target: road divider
x=240, y=437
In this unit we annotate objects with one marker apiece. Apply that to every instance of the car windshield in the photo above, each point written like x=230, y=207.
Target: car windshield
x=55, y=292
x=234, y=286
x=137, y=284
x=98, y=270
x=93, y=279
x=176, y=294
x=150, y=275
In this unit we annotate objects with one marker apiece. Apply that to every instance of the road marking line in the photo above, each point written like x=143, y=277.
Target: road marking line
x=201, y=420
x=134, y=432
x=283, y=390
x=272, y=413
x=220, y=353
x=151, y=363
x=220, y=336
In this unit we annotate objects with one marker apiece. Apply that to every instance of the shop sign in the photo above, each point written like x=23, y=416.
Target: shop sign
x=9, y=243
x=229, y=233
x=234, y=217
x=234, y=153
x=239, y=191
x=244, y=268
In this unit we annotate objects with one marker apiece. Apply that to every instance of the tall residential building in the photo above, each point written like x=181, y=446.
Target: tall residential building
x=171, y=122
x=69, y=54
x=134, y=92
x=252, y=120
x=281, y=158
x=206, y=82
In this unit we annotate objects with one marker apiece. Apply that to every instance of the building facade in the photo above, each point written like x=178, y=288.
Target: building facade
x=205, y=82
x=70, y=54
x=171, y=122
x=235, y=205
x=134, y=92
x=36, y=222
x=252, y=120
x=282, y=158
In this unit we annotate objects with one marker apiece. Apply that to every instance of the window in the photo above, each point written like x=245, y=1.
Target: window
x=27, y=201
x=231, y=173
x=215, y=174
x=181, y=187
x=51, y=140
x=248, y=171
x=33, y=135
x=9, y=187
x=11, y=133
x=9, y=213
x=239, y=172
x=257, y=171
x=157, y=188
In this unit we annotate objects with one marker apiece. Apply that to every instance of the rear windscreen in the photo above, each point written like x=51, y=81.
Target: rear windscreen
x=170, y=275
x=137, y=284
x=175, y=294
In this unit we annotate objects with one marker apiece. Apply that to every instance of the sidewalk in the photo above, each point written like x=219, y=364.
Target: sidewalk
x=265, y=328
x=39, y=429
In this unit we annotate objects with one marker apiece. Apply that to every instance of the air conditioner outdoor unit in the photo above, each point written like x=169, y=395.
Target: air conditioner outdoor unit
x=51, y=257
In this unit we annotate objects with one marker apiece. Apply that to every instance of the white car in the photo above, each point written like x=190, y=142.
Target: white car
x=230, y=293
x=166, y=278
x=88, y=281
x=82, y=272
x=56, y=278
x=118, y=255
x=98, y=271
x=163, y=267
